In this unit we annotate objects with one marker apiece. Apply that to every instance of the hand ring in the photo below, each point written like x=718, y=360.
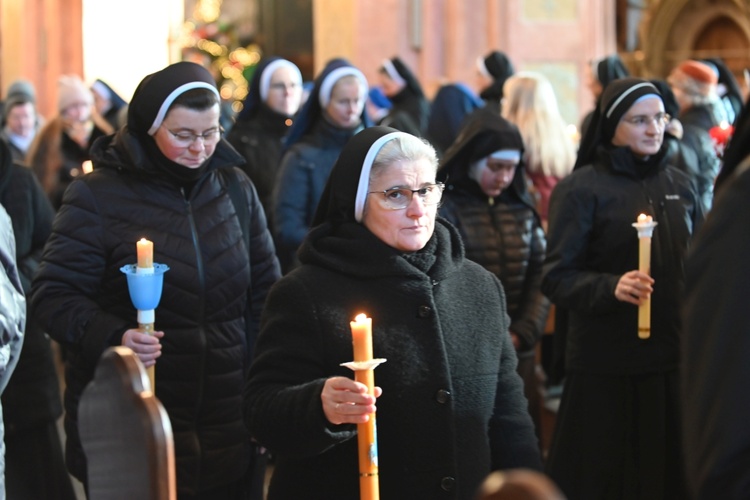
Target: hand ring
x=337, y=406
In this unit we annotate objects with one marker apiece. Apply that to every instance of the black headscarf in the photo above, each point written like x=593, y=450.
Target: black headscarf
x=610, y=68
x=617, y=98
x=500, y=68
x=150, y=103
x=337, y=203
x=726, y=77
x=252, y=103
x=117, y=101
x=157, y=92
x=478, y=139
x=404, y=72
x=312, y=111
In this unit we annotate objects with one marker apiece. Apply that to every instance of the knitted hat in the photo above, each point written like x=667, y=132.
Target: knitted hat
x=694, y=78
x=72, y=90
x=21, y=88
x=699, y=72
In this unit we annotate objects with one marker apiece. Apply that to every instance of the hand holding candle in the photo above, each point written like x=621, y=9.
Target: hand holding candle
x=645, y=226
x=145, y=285
x=363, y=367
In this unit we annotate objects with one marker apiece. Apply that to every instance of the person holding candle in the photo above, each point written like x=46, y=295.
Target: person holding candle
x=450, y=405
x=165, y=177
x=617, y=430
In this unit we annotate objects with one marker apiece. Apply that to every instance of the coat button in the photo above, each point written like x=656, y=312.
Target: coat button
x=424, y=311
x=443, y=396
x=448, y=483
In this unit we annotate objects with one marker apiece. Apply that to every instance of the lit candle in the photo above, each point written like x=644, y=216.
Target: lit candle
x=362, y=337
x=145, y=249
x=366, y=433
x=645, y=226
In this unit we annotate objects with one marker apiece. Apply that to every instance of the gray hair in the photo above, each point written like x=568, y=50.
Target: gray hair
x=405, y=147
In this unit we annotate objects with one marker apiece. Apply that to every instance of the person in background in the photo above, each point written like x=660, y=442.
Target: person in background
x=31, y=401
x=108, y=103
x=492, y=71
x=410, y=108
x=694, y=86
x=549, y=151
x=451, y=107
x=377, y=104
x=273, y=99
x=600, y=73
x=450, y=406
x=333, y=113
x=487, y=200
x=727, y=87
x=20, y=120
x=12, y=319
x=169, y=177
x=617, y=429
x=63, y=144
x=714, y=346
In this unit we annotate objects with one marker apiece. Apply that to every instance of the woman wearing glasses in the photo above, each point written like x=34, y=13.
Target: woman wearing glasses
x=450, y=406
x=617, y=430
x=162, y=178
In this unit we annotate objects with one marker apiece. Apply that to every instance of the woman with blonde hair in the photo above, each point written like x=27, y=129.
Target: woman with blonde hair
x=529, y=103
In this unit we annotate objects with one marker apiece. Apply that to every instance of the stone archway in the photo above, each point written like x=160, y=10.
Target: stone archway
x=676, y=30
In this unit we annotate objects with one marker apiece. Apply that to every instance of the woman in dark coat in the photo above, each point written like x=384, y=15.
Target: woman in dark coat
x=410, y=108
x=108, y=103
x=487, y=200
x=452, y=407
x=494, y=68
x=273, y=98
x=716, y=342
x=332, y=114
x=165, y=176
x=617, y=430
x=452, y=105
x=34, y=466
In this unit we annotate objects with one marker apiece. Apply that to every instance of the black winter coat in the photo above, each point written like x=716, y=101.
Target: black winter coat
x=32, y=397
x=259, y=141
x=452, y=407
x=505, y=236
x=591, y=243
x=302, y=175
x=82, y=299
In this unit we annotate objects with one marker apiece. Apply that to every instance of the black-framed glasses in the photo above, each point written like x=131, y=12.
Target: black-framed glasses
x=400, y=198
x=643, y=121
x=185, y=137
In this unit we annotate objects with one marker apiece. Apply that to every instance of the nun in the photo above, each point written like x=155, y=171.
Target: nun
x=617, y=430
x=410, y=109
x=450, y=406
x=332, y=114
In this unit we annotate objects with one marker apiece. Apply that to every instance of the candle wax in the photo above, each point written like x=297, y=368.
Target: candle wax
x=145, y=249
x=362, y=337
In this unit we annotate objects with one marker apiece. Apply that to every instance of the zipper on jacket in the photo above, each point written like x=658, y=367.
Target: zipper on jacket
x=201, y=307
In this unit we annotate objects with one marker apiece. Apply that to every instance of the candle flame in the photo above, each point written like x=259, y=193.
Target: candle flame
x=642, y=218
x=143, y=240
x=359, y=318
x=724, y=124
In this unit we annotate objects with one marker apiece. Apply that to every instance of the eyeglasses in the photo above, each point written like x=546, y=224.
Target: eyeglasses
x=400, y=198
x=186, y=138
x=643, y=121
x=283, y=86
